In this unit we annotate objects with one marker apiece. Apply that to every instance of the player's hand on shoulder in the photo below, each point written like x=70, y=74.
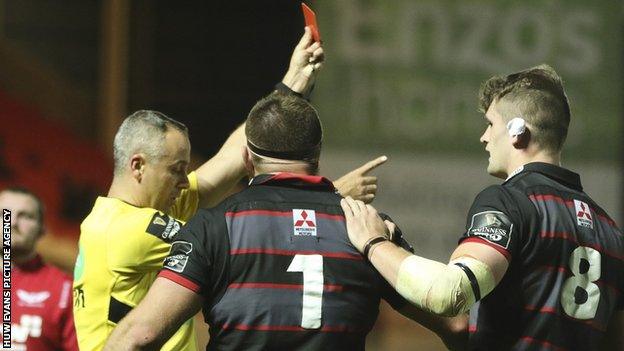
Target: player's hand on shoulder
x=363, y=222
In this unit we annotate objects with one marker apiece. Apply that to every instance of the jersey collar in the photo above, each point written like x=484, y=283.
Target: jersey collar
x=557, y=173
x=293, y=179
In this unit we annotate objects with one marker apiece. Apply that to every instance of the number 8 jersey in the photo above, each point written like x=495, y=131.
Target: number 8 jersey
x=566, y=263
x=277, y=270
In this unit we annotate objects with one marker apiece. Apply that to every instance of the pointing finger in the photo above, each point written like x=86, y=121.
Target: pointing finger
x=370, y=165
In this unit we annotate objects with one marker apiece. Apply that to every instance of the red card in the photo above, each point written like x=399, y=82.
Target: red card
x=310, y=21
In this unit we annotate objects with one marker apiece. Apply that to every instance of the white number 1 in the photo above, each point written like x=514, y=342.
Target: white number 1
x=312, y=268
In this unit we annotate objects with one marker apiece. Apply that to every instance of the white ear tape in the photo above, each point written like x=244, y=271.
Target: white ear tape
x=516, y=126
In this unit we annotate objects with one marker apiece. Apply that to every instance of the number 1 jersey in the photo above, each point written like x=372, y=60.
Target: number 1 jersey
x=277, y=270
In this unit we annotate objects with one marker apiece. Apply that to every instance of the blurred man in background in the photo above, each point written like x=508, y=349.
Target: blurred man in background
x=41, y=298
x=127, y=235
x=540, y=265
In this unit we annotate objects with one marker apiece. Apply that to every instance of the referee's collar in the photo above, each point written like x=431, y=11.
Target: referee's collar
x=557, y=173
x=293, y=179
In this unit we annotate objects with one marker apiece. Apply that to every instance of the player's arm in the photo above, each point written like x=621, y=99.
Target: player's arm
x=453, y=331
x=439, y=288
x=152, y=322
x=614, y=338
x=307, y=59
x=219, y=175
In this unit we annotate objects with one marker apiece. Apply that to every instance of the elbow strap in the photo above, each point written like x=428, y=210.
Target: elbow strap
x=474, y=284
x=441, y=289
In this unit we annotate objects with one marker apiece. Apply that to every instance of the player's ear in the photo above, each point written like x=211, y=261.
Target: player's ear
x=519, y=133
x=521, y=141
x=137, y=166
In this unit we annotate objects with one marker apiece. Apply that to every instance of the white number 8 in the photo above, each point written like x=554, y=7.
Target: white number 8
x=580, y=296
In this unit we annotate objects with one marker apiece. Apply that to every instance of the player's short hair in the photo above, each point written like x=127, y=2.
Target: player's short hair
x=537, y=95
x=25, y=191
x=143, y=131
x=285, y=126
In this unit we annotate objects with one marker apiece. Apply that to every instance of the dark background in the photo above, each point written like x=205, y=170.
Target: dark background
x=208, y=63
x=204, y=63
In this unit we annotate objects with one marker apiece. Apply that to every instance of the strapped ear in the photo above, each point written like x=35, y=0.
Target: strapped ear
x=516, y=126
x=518, y=132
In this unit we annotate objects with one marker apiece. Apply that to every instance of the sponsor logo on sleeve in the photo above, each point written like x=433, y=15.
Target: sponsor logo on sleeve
x=164, y=227
x=159, y=221
x=304, y=222
x=493, y=226
x=179, y=256
x=172, y=228
x=583, y=214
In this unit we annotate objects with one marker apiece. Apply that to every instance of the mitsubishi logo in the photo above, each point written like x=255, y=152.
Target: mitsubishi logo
x=305, y=220
x=583, y=212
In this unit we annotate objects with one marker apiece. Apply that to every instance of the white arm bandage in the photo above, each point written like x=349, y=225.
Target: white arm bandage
x=446, y=290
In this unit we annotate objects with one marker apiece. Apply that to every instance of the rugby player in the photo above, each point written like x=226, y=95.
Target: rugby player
x=540, y=265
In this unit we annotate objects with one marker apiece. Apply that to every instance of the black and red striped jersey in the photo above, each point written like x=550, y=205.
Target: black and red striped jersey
x=566, y=263
x=277, y=271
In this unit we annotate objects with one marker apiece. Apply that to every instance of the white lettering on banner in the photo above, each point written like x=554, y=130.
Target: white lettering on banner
x=405, y=108
x=462, y=35
x=382, y=45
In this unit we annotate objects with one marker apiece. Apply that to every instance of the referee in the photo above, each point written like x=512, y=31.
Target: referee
x=540, y=265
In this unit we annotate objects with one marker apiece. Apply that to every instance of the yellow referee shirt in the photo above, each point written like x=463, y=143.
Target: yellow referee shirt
x=121, y=250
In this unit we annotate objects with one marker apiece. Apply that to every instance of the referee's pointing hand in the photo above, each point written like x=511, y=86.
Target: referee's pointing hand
x=358, y=184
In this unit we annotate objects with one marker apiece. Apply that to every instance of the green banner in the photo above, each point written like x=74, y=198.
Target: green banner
x=404, y=74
